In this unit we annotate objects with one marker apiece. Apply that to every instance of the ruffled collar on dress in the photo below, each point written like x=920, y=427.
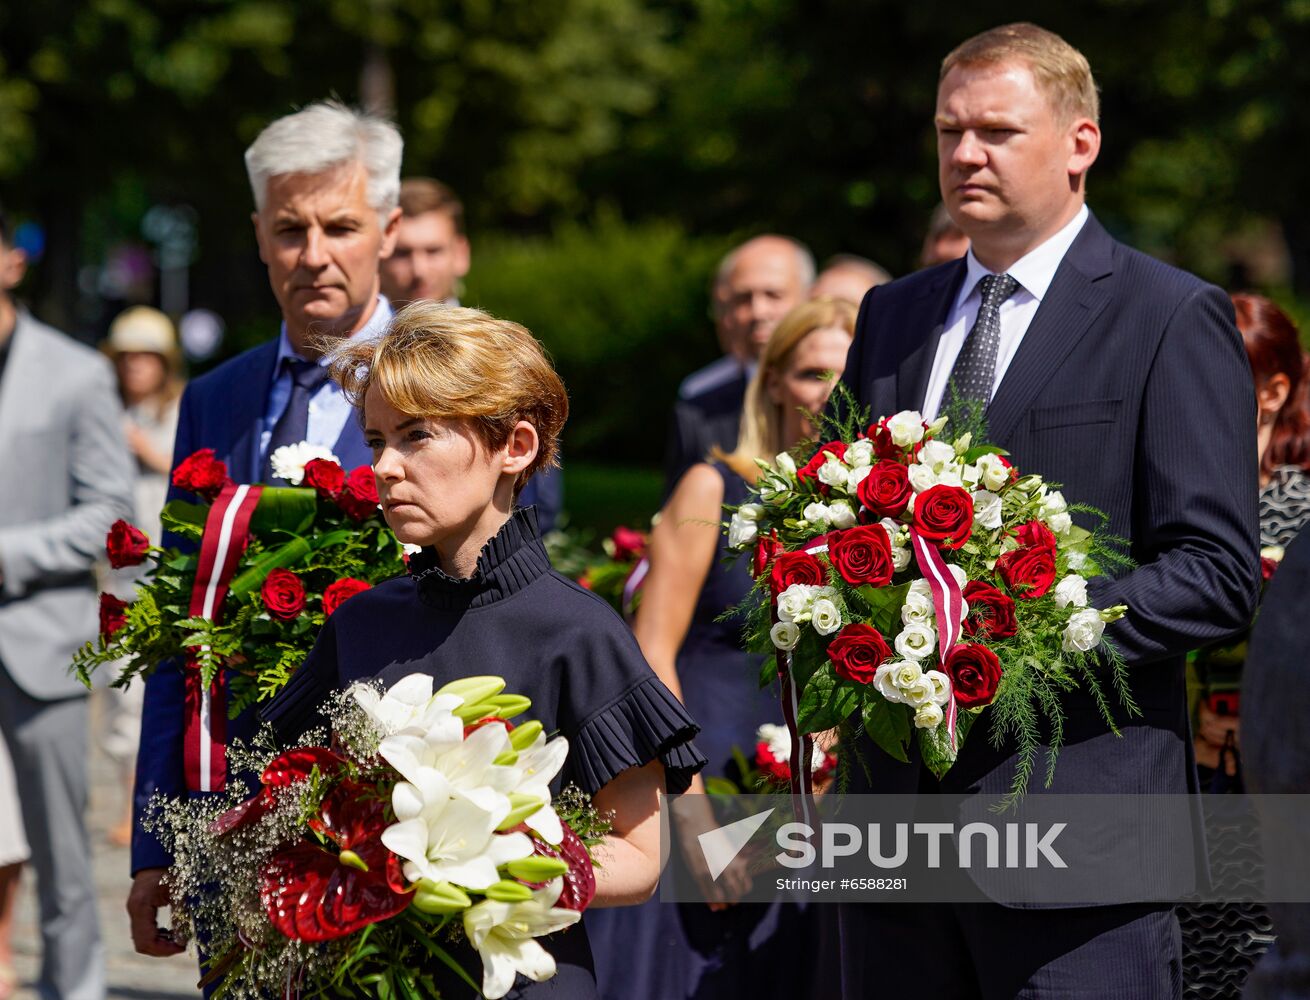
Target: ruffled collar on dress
x=513, y=558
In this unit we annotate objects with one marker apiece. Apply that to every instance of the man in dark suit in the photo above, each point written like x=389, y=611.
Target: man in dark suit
x=1122, y=379
x=754, y=287
x=325, y=182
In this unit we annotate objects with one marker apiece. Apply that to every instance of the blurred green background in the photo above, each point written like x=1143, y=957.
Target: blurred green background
x=609, y=151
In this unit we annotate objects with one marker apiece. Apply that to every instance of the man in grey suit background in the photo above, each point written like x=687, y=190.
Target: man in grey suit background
x=67, y=478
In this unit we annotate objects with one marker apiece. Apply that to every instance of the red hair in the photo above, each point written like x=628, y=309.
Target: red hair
x=1273, y=347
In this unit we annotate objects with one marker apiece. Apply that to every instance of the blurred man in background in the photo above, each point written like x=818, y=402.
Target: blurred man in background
x=848, y=277
x=71, y=476
x=432, y=247
x=945, y=240
x=754, y=287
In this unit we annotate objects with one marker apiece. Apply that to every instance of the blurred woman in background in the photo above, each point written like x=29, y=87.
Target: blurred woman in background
x=687, y=950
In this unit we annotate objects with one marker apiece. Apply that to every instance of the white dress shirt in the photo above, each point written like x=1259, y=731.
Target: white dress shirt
x=328, y=407
x=1034, y=272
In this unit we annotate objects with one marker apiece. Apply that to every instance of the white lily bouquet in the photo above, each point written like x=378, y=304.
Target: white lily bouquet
x=359, y=866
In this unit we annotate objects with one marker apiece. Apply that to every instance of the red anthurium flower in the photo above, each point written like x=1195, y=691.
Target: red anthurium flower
x=580, y=880
x=312, y=893
x=292, y=766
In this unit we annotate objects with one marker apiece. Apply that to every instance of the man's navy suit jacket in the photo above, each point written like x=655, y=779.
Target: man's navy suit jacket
x=1132, y=390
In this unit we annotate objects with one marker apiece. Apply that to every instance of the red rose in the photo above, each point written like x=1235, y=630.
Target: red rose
x=127, y=545
x=1034, y=535
x=975, y=673
x=1268, y=567
x=944, y=514
x=885, y=448
x=858, y=652
x=284, y=594
x=886, y=489
x=778, y=771
x=340, y=591
x=862, y=554
x=201, y=473
x=325, y=476
x=991, y=613
x=359, y=497
x=767, y=548
x=628, y=544
x=113, y=615
x=1029, y=571
x=810, y=470
x=796, y=567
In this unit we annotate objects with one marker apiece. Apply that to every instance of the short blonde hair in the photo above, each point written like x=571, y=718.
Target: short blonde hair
x=460, y=364
x=1061, y=72
x=761, y=419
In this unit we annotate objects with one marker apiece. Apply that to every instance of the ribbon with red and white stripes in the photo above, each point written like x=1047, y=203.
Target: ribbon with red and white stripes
x=633, y=583
x=227, y=530
x=802, y=744
x=948, y=603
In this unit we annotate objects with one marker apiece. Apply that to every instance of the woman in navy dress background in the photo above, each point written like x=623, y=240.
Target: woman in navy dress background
x=663, y=951
x=460, y=409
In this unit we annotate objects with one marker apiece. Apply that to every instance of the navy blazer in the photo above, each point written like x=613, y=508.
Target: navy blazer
x=1132, y=390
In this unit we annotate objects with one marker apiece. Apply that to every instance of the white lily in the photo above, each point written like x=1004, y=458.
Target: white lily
x=536, y=769
x=409, y=707
x=444, y=835
x=504, y=935
x=467, y=764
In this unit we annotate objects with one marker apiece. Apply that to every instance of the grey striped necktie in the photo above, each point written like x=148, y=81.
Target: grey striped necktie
x=974, y=370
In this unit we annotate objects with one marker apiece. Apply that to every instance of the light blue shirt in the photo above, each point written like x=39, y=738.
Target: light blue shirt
x=328, y=408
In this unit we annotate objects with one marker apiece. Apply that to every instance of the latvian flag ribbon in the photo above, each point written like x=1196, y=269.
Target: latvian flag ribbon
x=227, y=530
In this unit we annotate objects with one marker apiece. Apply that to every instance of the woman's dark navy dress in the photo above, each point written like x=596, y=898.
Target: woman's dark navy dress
x=668, y=951
x=550, y=640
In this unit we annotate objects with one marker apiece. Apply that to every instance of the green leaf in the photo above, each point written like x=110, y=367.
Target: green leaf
x=283, y=556
x=888, y=725
x=884, y=606
x=979, y=450
x=284, y=508
x=826, y=702
x=720, y=786
x=179, y=512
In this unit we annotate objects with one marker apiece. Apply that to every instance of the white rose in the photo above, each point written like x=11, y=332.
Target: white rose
x=882, y=680
x=963, y=444
x=289, y=461
x=906, y=428
x=916, y=641
x=785, y=464
x=917, y=610
x=992, y=472
x=794, y=602
x=1060, y=523
x=1077, y=560
x=922, y=477
x=750, y=511
x=777, y=738
x=785, y=635
x=1053, y=503
x=900, y=558
x=937, y=455
x=928, y=716
x=1083, y=633
x=961, y=577
x=741, y=531
x=987, y=509
x=859, y=454
x=841, y=514
x=815, y=513
x=921, y=586
x=941, y=686
x=825, y=617
x=906, y=675
x=921, y=692
x=1071, y=591
x=833, y=472
x=857, y=476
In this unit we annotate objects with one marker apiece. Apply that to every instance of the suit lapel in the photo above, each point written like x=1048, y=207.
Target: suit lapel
x=1077, y=295
x=916, y=367
x=246, y=415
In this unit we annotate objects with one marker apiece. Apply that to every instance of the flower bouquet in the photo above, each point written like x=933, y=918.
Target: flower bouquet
x=365, y=868
x=769, y=770
x=913, y=579
x=264, y=569
x=616, y=573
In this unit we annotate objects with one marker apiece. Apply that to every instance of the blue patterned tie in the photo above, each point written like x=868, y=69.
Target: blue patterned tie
x=307, y=377
x=974, y=371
